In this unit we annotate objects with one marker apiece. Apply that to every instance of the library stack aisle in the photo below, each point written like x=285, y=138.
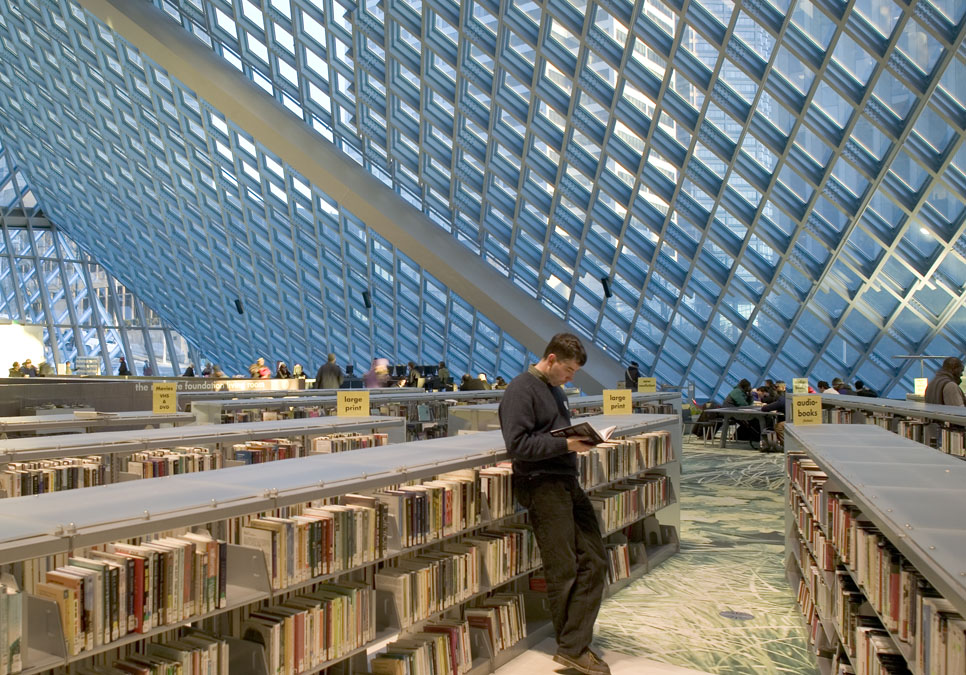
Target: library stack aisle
x=61, y=522
x=876, y=546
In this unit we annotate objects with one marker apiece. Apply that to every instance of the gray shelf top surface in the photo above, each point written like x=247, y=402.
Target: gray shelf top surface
x=376, y=396
x=914, y=494
x=943, y=413
x=18, y=449
x=108, y=512
x=67, y=420
x=581, y=402
x=270, y=393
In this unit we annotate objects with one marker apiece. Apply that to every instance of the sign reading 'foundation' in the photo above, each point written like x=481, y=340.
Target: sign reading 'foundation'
x=353, y=403
x=617, y=401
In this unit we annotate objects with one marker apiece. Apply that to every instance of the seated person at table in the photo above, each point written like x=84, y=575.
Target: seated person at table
x=862, y=390
x=740, y=396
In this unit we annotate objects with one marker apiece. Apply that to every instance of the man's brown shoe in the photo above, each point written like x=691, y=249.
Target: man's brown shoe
x=587, y=663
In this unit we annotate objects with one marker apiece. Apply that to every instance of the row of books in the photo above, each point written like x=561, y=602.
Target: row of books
x=837, y=416
x=631, y=500
x=348, y=441
x=440, y=648
x=812, y=534
x=506, y=551
x=502, y=619
x=618, y=562
x=311, y=540
x=259, y=415
x=103, y=595
x=424, y=584
x=907, y=609
x=913, y=429
x=269, y=450
x=20, y=479
x=11, y=626
x=952, y=440
x=313, y=628
x=496, y=484
x=809, y=612
x=194, y=653
x=619, y=458
x=173, y=461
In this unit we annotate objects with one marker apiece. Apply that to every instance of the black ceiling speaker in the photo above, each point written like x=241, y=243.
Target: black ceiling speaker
x=605, y=282
x=238, y=306
x=366, y=300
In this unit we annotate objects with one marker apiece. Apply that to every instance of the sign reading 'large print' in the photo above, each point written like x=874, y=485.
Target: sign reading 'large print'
x=806, y=410
x=353, y=403
x=617, y=402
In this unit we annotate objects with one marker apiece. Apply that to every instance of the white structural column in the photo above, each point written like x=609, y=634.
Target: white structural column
x=282, y=133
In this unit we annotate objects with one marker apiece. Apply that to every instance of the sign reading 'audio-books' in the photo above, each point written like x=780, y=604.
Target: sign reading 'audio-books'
x=617, y=402
x=165, y=397
x=806, y=410
x=646, y=385
x=353, y=403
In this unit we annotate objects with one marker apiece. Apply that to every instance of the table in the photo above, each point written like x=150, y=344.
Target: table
x=729, y=414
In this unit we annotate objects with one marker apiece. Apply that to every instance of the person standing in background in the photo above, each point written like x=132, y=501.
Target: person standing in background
x=944, y=386
x=122, y=368
x=545, y=481
x=631, y=375
x=443, y=374
x=329, y=375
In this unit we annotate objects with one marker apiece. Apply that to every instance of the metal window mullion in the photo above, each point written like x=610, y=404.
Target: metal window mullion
x=112, y=299
x=98, y=321
x=44, y=295
x=873, y=187
x=14, y=273
x=146, y=334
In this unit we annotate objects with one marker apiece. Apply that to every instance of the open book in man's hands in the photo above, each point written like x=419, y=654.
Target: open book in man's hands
x=585, y=430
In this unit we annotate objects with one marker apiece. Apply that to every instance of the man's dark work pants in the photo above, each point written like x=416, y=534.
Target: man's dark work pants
x=574, y=562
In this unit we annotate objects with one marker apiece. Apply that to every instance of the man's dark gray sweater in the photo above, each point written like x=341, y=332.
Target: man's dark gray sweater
x=530, y=409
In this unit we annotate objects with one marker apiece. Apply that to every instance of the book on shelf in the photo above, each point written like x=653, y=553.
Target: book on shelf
x=585, y=430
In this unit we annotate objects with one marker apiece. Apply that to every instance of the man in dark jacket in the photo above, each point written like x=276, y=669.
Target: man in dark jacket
x=545, y=482
x=740, y=396
x=329, y=375
x=944, y=386
x=631, y=376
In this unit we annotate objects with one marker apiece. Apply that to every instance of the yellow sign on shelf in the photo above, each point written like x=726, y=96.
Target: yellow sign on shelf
x=799, y=385
x=807, y=410
x=353, y=403
x=646, y=385
x=617, y=401
x=165, y=397
x=920, y=384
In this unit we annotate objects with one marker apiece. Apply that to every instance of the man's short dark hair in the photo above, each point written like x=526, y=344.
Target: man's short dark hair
x=822, y=384
x=567, y=347
x=952, y=363
x=859, y=384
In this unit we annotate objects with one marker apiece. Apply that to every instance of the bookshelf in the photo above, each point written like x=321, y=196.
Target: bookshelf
x=940, y=426
x=81, y=422
x=485, y=416
x=870, y=514
x=116, y=448
x=425, y=412
x=58, y=523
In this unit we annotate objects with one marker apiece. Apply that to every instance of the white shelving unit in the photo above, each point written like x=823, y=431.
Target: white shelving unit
x=923, y=422
x=912, y=494
x=485, y=417
x=61, y=522
x=86, y=422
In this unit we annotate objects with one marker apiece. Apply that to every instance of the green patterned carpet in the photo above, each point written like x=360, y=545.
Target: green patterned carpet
x=731, y=559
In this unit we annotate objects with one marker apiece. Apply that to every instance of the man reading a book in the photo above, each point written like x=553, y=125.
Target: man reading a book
x=545, y=483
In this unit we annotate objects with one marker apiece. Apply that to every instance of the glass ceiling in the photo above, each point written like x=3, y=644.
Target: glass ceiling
x=46, y=280
x=770, y=189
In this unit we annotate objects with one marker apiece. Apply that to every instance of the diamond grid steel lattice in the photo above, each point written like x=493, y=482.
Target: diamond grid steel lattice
x=46, y=280
x=195, y=214
x=770, y=188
